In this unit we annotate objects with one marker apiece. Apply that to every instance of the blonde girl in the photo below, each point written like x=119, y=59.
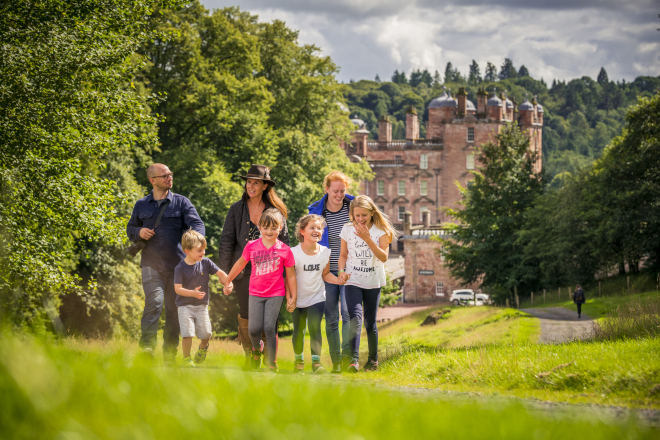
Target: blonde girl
x=364, y=250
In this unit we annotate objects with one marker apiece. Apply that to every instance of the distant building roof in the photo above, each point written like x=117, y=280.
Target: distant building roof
x=494, y=101
x=539, y=108
x=469, y=105
x=443, y=101
x=526, y=105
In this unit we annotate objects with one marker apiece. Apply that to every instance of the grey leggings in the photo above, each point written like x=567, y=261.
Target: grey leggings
x=263, y=317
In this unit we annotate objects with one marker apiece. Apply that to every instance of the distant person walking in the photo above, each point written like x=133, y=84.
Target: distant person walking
x=334, y=207
x=240, y=228
x=579, y=299
x=156, y=226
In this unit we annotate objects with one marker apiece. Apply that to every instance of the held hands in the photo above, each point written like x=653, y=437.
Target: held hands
x=146, y=233
x=362, y=231
x=228, y=289
x=343, y=278
x=290, y=304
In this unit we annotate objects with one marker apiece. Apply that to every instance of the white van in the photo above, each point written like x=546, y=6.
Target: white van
x=467, y=296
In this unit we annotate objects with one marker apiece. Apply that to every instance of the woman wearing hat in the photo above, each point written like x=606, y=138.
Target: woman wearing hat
x=241, y=227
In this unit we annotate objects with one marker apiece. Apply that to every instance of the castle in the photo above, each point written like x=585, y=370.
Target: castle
x=416, y=178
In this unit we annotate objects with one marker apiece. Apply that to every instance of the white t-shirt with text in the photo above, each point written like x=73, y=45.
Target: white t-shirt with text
x=309, y=276
x=366, y=271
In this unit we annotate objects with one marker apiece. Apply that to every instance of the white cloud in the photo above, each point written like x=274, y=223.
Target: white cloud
x=561, y=39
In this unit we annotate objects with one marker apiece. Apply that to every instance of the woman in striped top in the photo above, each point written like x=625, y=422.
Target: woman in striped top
x=334, y=207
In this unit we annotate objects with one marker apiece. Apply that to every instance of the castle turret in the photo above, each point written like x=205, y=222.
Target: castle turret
x=412, y=124
x=526, y=110
x=495, y=107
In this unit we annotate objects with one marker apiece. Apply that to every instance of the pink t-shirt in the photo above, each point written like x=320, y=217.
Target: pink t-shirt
x=266, y=279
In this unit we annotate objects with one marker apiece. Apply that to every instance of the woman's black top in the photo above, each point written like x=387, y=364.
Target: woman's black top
x=236, y=232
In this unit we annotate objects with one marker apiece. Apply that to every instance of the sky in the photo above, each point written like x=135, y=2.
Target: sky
x=554, y=39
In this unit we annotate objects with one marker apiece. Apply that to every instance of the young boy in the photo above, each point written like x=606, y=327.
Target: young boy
x=191, y=283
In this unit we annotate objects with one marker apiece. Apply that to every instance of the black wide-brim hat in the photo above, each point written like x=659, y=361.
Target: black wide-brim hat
x=259, y=172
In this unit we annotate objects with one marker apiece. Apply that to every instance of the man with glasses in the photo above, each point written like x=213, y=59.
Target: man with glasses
x=160, y=255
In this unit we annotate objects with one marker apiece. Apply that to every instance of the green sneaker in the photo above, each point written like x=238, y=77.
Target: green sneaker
x=255, y=359
x=299, y=367
x=273, y=368
x=371, y=365
x=188, y=363
x=336, y=369
x=200, y=356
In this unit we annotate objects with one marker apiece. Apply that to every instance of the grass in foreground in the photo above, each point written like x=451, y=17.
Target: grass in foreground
x=49, y=391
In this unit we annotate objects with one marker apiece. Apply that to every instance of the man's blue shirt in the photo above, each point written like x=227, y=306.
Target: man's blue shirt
x=163, y=251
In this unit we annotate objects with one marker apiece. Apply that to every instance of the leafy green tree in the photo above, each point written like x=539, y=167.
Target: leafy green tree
x=437, y=80
x=524, y=72
x=415, y=78
x=426, y=78
x=399, y=78
x=67, y=100
x=602, y=77
x=483, y=247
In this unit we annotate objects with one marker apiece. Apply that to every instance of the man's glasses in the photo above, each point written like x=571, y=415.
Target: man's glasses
x=165, y=176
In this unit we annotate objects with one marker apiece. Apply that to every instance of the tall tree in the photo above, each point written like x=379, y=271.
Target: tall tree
x=483, y=242
x=508, y=70
x=377, y=78
x=415, y=78
x=437, y=80
x=602, y=77
x=67, y=100
x=524, y=72
x=426, y=78
x=491, y=72
x=399, y=78
x=449, y=72
x=475, y=73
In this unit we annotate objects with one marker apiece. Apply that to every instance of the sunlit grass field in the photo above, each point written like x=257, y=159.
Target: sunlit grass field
x=95, y=390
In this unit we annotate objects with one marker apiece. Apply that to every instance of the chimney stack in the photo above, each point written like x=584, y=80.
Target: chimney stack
x=412, y=124
x=482, y=97
x=462, y=99
x=384, y=130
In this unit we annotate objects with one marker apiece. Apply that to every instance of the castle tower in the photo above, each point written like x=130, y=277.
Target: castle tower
x=482, y=97
x=462, y=101
x=384, y=130
x=495, y=107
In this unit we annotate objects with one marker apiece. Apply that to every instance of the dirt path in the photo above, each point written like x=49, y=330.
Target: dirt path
x=559, y=325
x=400, y=310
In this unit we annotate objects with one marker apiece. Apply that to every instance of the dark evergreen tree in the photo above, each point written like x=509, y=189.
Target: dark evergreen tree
x=399, y=78
x=491, y=72
x=437, y=80
x=523, y=71
x=602, y=77
x=449, y=72
x=377, y=79
x=475, y=73
x=426, y=78
x=508, y=70
x=415, y=78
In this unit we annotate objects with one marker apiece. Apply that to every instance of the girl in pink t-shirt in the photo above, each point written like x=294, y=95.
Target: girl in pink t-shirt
x=267, y=286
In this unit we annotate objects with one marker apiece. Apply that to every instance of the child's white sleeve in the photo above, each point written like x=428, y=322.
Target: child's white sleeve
x=344, y=233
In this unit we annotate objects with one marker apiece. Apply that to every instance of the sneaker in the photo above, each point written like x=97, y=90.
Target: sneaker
x=336, y=369
x=200, y=356
x=345, y=362
x=273, y=368
x=255, y=359
x=353, y=367
x=370, y=366
x=317, y=368
x=188, y=363
x=299, y=367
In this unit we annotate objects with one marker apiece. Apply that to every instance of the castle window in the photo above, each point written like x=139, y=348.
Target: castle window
x=424, y=161
x=470, y=161
x=422, y=210
x=402, y=187
x=439, y=288
x=380, y=189
x=402, y=210
x=470, y=134
x=424, y=187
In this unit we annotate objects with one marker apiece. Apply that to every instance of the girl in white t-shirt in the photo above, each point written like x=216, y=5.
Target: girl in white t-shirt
x=312, y=268
x=364, y=250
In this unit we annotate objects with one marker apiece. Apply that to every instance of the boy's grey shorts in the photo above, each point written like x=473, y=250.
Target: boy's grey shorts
x=194, y=321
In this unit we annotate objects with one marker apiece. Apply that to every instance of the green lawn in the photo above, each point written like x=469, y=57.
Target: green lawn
x=50, y=390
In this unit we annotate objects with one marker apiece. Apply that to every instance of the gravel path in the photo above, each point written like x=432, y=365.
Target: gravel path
x=559, y=325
